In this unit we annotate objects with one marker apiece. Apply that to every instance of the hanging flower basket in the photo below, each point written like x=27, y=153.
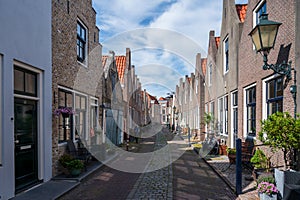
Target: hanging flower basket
x=64, y=111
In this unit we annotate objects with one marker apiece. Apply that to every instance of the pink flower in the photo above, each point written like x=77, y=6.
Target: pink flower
x=64, y=110
x=268, y=188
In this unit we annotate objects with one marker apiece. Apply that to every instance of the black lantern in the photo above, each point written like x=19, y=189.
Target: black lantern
x=264, y=34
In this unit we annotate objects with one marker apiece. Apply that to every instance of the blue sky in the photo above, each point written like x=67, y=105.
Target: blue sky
x=164, y=36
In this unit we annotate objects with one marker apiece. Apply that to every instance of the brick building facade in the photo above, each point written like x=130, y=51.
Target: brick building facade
x=77, y=72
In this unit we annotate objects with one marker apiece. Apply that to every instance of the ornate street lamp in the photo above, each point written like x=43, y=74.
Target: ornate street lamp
x=263, y=37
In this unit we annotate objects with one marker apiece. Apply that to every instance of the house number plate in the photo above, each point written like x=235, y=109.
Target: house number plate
x=25, y=147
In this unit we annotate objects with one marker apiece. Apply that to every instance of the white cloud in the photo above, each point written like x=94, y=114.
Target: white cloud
x=175, y=34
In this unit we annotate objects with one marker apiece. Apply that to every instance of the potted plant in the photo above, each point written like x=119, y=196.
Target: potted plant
x=281, y=132
x=260, y=163
x=267, y=191
x=231, y=153
x=73, y=166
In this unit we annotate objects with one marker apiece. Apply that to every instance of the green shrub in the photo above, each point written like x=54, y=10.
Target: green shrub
x=65, y=159
x=266, y=178
x=259, y=160
x=75, y=164
x=231, y=150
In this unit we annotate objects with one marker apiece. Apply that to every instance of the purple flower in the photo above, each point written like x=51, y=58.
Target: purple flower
x=64, y=110
x=268, y=188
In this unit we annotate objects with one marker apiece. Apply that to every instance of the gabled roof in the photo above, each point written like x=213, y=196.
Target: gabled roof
x=241, y=11
x=162, y=99
x=152, y=98
x=121, y=66
x=217, y=39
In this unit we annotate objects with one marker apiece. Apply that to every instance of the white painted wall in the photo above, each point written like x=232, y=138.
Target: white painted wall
x=25, y=36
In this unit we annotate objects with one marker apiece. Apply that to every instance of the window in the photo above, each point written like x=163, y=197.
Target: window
x=223, y=115
x=261, y=8
x=226, y=115
x=234, y=125
x=197, y=82
x=210, y=74
x=80, y=116
x=93, y=119
x=226, y=55
x=274, y=96
x=251, y=111
x=81, y=42
x=65, y=127
x=1, y=110
x=25, y=82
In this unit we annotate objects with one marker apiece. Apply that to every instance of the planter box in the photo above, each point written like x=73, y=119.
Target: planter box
x=286, y=177
x=263, y=196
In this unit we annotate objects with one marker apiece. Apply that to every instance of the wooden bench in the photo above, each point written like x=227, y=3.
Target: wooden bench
x=248, y=150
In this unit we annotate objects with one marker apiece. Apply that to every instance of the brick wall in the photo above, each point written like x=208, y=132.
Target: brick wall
x=67, y=71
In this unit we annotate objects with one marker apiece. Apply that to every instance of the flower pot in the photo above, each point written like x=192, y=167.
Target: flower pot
x=264, y=196
x=232, y=158
x=222, y=150
x=75, y=172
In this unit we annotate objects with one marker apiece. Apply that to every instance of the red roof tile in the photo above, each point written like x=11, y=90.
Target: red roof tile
x=241, y=11
x=104, y=59
x=162, y=99
x=121, y=66
x=217, y=39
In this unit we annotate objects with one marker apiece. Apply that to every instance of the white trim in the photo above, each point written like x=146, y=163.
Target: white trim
x=85, y=61
x=264, y=95
x=232, y=118
x=74, y=93
x=224, y=56
x=254, y=15
x=40, y=120
x=1, y=96
x=255, y=11
x=245, y=109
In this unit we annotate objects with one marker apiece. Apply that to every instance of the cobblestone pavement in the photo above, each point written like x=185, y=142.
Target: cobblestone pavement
x=188, y=177
x=221, y=165
x=194, y=179
x=156, y=184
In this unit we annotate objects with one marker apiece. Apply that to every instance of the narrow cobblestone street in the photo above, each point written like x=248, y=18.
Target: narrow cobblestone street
x=187, y=178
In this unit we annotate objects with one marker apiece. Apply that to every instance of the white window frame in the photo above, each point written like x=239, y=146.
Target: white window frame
x=223, y=116
x=226, y=40
x=245, y=109
x=232, y=116
x=254, y=14
x=264, y=95
x=197, y=85
x=74, y=92
x=1, y=96
x=85, y=61
x=255, y=10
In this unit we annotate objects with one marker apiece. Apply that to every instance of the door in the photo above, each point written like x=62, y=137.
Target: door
x=25, y=134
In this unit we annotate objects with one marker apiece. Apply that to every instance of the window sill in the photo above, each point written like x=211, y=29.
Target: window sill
x=82, y=64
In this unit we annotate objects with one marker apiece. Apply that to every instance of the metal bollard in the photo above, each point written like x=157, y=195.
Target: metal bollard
x=238, y=183
x=127, y=145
